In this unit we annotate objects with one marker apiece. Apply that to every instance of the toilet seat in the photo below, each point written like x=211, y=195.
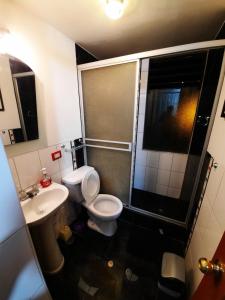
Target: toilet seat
x=90, y=186
x=103, y=209
x=106, y=207
x=103, y=206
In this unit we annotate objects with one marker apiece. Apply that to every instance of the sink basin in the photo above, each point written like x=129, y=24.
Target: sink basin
x=38, y=212
x=38, y=208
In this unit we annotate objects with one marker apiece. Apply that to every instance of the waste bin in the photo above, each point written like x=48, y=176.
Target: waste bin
x=172, y=280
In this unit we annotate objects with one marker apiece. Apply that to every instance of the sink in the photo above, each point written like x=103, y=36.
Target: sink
x=41, y=206
x=38, y=212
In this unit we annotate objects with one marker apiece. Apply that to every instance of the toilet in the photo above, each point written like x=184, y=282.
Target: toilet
x=103, y=209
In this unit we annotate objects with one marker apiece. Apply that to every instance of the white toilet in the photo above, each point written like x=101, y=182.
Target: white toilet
x=103, y=209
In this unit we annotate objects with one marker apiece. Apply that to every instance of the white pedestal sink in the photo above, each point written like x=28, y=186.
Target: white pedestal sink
x=38, y=212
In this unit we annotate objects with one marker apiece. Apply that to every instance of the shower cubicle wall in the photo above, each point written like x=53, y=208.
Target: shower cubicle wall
x=114, y=106
x=109, y=98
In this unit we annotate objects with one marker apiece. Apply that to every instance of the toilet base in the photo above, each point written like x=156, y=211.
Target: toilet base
x=106, y=228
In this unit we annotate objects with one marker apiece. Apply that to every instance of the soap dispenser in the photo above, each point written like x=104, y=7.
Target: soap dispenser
x=46, y=179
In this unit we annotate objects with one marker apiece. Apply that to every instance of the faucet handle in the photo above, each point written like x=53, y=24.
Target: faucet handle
x=35, y=189
x=23, y=195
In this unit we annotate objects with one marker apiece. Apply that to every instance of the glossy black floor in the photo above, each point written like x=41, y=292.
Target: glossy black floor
x=162, y=205
x=136, y=247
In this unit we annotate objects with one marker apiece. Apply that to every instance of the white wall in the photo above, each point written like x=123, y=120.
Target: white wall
x=211, y=220
x=51, y=55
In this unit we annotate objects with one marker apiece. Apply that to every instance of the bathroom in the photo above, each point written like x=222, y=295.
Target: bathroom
x=164, y=195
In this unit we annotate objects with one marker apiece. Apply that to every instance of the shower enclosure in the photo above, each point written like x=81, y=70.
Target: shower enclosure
x=146, y=123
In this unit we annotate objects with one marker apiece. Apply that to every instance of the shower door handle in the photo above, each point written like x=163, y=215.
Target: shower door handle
x=203, y=120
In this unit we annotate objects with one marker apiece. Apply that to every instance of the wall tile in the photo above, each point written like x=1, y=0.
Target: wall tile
x=46, y=160
x=173, y=193
x=150, y=179
x=139, y=140
x=57, y=177
x=142, y=104
x=214, y=182
x=161, y=189
x=144, y=82
x=176, y=179
x=204, y=214
x=65, y=162
x=196, y=278
x=210, y=239
x=14, y=174
x=163, y=177
x=139, y=177
x=28, y=167
x=197, y=247
x=165, y=160
x=141, y=157
x=153, y=159
x=140, y=123
x=179, y=162
x=219, y=205
x=145, y=65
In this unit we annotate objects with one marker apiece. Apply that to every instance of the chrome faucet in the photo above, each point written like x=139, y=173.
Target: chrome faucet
x=29, y=192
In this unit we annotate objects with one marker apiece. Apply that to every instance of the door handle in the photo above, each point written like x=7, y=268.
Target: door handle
x=208, y=267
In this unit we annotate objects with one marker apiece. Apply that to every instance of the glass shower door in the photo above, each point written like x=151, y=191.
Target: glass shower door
x=109, y=97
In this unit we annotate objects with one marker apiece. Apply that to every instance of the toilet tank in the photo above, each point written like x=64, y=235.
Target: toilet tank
x=73, y=182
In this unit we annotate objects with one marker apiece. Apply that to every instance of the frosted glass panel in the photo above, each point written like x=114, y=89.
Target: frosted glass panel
x=108, y=100
x=114, y=171
x=108, y=95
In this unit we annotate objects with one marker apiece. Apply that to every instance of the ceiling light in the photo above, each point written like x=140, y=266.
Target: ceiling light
x=114, y=8
x=4, y=41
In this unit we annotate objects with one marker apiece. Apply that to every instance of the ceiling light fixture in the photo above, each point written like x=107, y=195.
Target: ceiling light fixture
x=114, y=8
x=4, y=40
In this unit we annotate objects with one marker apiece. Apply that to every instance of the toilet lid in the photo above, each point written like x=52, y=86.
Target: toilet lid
x=90, y=186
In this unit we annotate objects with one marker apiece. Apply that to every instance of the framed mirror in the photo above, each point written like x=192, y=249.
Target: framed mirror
x=18, y=108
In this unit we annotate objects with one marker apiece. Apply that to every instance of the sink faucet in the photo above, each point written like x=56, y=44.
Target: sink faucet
x=29, y=192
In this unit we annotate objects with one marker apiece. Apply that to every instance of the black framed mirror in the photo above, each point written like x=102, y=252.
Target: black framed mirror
x=18, y=107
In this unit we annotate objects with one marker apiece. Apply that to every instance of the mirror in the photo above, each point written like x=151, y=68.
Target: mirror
x=18, y=109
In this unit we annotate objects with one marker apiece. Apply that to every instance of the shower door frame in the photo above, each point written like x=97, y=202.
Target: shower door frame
x=131, y=145
x=137, y=58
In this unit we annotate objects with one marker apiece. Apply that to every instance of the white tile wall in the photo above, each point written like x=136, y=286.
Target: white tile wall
x=141, y=157
x=46, y=161
x=150, y=179
x=163, y=177
x=157, y=172
x=28, y=168
x=65, y=163
x=139, y=177
x=165, y=160
x=141, y=120
x=153, y=158
x=26, y=172
x=14, y=173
